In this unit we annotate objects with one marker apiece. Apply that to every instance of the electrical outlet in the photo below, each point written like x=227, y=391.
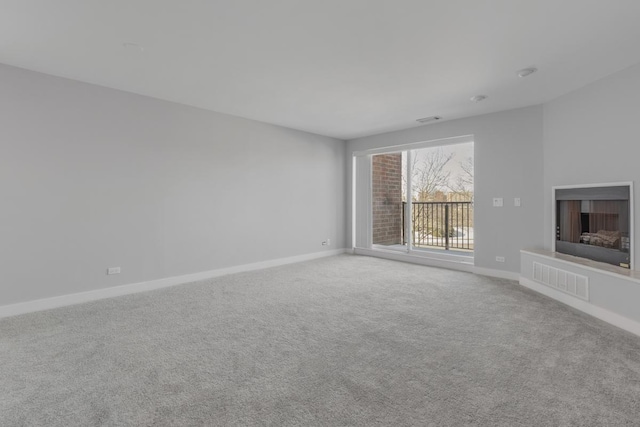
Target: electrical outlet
x=328, y=242
x=516, y=202
x=113, y=270
x=497, y=202
x=500, y=258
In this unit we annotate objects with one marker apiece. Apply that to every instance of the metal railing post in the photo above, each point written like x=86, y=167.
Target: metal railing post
x=433, y=219
x=446, y=227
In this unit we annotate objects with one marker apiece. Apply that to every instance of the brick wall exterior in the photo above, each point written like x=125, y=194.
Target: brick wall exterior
x=387, y=199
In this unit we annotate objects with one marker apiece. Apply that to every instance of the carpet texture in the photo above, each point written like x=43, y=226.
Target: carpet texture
x=341, y=341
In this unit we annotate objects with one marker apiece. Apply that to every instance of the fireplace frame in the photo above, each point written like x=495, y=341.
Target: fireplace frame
x=628, y=184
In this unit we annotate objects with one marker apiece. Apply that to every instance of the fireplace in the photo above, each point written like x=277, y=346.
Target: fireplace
x=594, y=222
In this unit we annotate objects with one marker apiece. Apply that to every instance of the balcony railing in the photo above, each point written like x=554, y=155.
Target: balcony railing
x=448, y=225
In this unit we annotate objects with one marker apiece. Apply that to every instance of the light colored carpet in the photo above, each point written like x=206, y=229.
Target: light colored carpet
x=341, y=341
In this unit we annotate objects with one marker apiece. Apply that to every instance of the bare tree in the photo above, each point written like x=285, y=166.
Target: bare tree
x=465, y=179
x=429, y=178
x=463, y=186
x=429, y=174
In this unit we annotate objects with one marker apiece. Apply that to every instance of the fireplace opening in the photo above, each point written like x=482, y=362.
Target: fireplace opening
x=594, y=223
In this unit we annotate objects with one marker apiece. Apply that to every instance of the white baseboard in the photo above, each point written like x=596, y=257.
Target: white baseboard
x=452, y=262
x=500, y=274
x=133, y=288
x=584, y=306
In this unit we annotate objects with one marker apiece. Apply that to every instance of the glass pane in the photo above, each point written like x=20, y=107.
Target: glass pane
x=442, y=197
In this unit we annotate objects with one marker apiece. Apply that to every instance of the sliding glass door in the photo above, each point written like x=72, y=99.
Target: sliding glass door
x=442, y=197
x=419, y=199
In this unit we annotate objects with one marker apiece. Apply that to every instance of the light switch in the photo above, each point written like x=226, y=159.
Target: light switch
x=497, y=202
x=516, y=202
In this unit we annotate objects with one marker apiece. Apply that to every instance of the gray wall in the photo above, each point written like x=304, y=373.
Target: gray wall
x=92, y=177
x=508, y=164
x=592, y=135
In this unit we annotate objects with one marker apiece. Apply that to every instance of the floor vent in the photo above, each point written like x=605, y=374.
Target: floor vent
x=562, y=280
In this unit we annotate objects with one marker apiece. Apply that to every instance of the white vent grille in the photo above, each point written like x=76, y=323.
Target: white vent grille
x=562, y=280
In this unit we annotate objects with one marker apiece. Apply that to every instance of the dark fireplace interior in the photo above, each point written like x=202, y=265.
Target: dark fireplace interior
x=593, y=222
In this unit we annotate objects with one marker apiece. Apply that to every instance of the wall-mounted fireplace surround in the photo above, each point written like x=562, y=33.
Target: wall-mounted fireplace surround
x=594, y=222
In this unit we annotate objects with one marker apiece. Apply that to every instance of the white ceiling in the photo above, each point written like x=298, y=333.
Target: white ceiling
x=343, y=68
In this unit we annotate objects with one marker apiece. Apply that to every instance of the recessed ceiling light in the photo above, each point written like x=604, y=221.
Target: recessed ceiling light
x=429, y=119
x=527, y=71
x=479, y=98
x=131, y=45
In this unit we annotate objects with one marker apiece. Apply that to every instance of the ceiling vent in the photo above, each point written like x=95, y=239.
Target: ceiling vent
x=429, y=119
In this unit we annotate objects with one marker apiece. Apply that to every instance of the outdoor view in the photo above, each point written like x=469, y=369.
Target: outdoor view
x=441, y=202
